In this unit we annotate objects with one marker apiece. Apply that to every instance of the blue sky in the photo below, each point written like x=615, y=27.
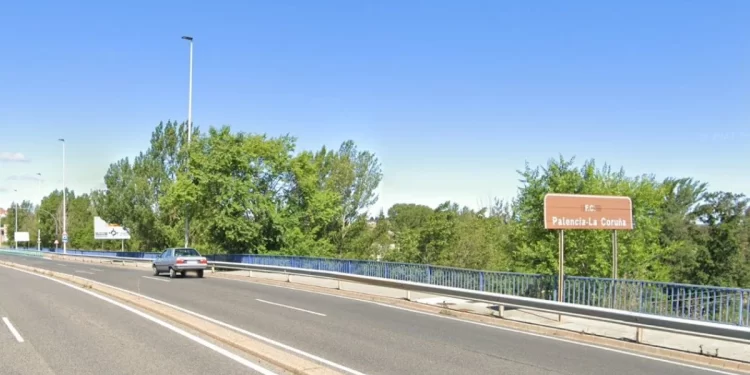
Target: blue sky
x=453, y=96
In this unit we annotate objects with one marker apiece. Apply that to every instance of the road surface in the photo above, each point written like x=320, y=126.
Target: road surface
x=370, y=338
x=50, y=328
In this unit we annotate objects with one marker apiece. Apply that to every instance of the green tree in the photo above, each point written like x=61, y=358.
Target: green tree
x=26, y=222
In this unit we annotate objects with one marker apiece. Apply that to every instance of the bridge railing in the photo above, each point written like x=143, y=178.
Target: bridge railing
x=697, y=302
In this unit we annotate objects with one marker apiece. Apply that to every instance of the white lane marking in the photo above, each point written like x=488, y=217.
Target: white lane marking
x=96, y=269
x=86, y=272
x=62, y=265
x=355, y=372
x=155, y=278
x=162, y=323
x=12, y=329
x=708, y=369
x=290, y=307
x=229, y=326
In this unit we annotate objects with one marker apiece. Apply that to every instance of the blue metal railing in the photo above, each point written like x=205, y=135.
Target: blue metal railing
x=697, y=302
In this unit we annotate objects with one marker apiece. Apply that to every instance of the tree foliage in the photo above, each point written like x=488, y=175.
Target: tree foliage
x=252, y=193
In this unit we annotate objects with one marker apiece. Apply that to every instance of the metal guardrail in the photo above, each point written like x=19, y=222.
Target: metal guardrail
x=696, y=302
x=634, y=319
x=25, y=253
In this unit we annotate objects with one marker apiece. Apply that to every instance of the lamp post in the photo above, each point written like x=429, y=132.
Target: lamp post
x=38, y=227
x=189, y=128
x=65, y=212
x=15, y=233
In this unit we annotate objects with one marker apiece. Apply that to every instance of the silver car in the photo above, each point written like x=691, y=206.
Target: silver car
x=179, y=260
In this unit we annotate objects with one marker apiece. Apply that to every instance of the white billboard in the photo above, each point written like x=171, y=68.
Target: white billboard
x=21, y=237
x=106, y=231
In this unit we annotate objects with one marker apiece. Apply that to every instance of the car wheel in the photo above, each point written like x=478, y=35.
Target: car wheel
x=172, y=273
x=200, y=273
x=156, y=271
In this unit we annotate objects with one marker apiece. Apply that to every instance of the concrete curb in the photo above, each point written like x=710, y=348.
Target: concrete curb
x=649, y=350
x=263, y=351
x=653, y=351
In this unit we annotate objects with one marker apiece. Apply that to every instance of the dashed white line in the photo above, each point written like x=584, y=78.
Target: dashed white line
x=86, y=272
x=458, y=320
x=62, y=265
x=159, y=322
x=96, y=269
x=12, y=329
x=219, y=322
x=155, y=278
x=290, y=307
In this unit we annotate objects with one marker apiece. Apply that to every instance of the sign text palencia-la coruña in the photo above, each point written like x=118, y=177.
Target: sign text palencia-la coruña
x=600, y=223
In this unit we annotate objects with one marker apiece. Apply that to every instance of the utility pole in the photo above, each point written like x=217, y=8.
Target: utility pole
x=189, y=129
x=65, y=198
x=15, y=234
x=38, y=222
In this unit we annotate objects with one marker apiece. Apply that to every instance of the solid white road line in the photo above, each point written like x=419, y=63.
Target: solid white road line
x=12, y=329
x=355, y=372
x=229, y=326
x=86, y=272
x=155, y=278
x=290, y=307
x=162, y=323
x=683, y=364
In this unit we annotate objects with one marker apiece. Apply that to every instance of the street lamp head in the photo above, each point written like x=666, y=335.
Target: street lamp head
x=190, y=38
x=61, y=139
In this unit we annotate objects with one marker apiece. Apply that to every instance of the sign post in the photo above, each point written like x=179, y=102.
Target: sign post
x=586, y=212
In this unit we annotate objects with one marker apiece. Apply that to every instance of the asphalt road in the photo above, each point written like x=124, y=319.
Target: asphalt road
x=370, y=338
x=49, y=328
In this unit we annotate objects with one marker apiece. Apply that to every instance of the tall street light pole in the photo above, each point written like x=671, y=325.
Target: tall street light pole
x=38, y=222
x=15, y=233
x=189, y=129
x=65, y=198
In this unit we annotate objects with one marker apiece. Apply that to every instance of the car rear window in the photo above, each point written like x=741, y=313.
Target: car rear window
x=186, y=253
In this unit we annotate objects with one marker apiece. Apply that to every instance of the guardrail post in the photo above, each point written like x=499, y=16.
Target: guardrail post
x=639, y=335
x=742, y=308
x=501, y=311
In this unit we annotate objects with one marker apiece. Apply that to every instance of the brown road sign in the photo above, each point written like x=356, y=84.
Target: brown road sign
x=602, y=212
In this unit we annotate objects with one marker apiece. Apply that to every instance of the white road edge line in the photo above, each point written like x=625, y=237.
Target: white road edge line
x=625, y=352
x=154, y=278
x=237, y=329
x=351, y=371
x=162, y=323
x=290, y=307
x=218, y=322
x=12, y=329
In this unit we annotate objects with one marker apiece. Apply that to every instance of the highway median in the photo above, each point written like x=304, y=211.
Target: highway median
x=285, y=360
x=618, y=339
